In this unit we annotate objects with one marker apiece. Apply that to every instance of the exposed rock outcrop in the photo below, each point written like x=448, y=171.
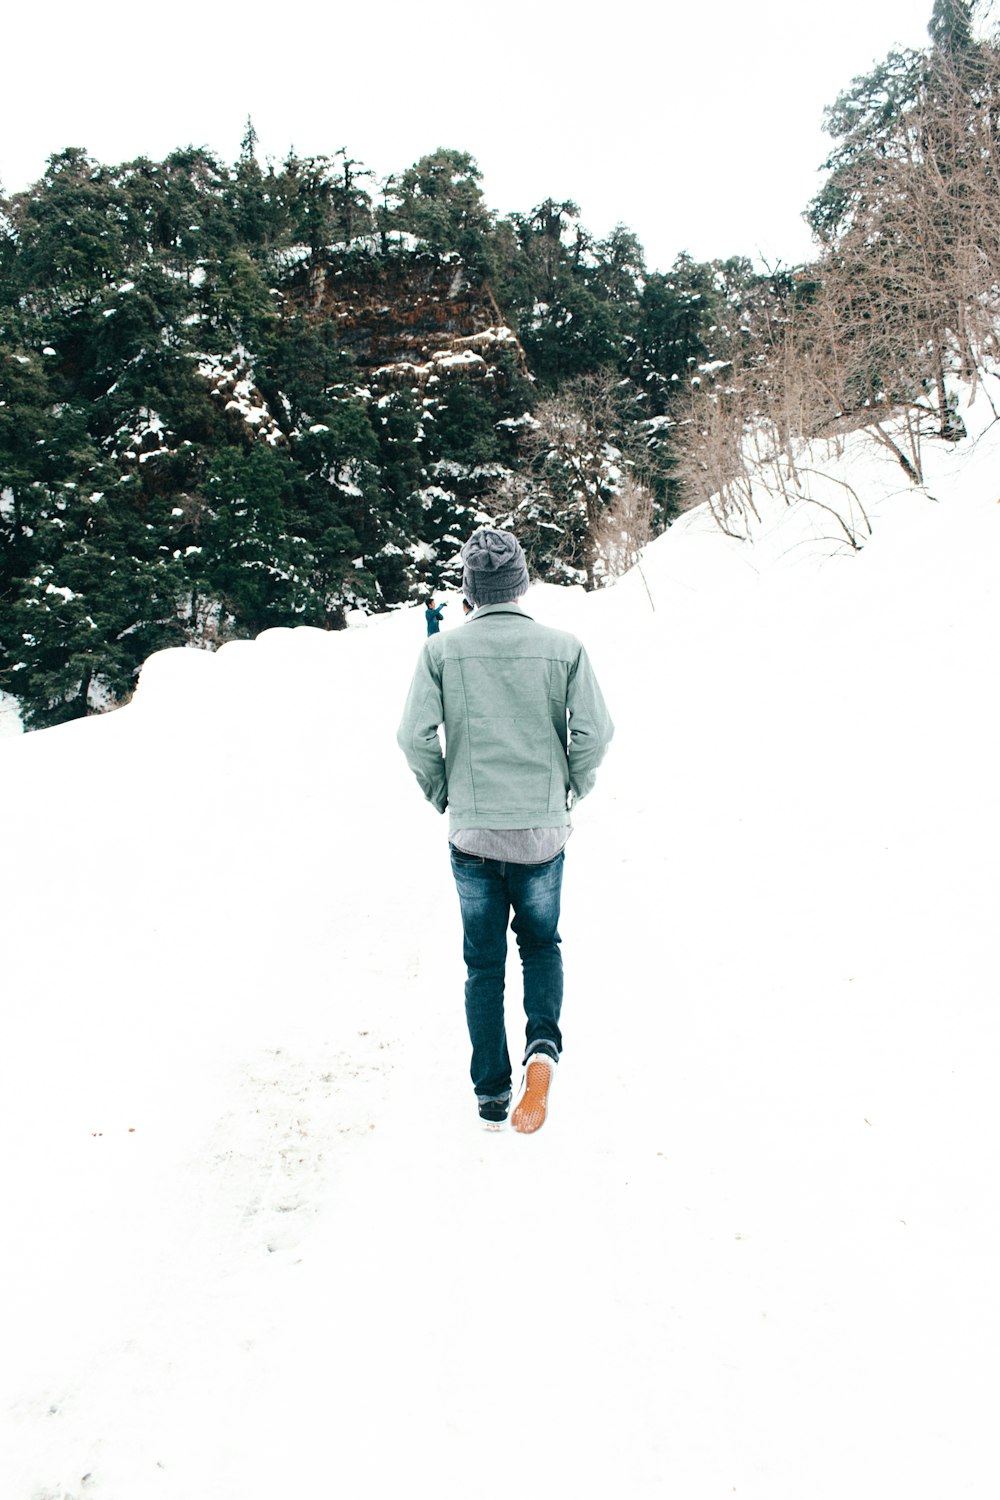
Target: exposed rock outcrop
x=407, y=316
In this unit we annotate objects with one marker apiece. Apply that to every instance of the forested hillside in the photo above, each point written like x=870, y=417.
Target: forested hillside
x=238, y=397
x=247, y=395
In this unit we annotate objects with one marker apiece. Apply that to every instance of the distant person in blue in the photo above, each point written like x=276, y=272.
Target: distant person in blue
x=432, y=614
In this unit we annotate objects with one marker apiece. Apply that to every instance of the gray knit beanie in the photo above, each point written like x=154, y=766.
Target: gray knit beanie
x=494, y=570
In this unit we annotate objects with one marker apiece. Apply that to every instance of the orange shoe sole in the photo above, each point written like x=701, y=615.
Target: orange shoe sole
x=529, y=1115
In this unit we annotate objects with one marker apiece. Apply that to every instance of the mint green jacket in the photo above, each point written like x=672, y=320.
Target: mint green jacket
x=525, y=724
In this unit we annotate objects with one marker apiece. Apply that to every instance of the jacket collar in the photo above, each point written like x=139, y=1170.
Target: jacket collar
x=500, y=609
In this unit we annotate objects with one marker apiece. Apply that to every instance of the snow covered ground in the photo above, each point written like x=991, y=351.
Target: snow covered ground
x=10, y=718
x=255, y=1244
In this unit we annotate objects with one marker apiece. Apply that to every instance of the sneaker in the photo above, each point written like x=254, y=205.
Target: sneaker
x=493, y=1112
x=532, y=1107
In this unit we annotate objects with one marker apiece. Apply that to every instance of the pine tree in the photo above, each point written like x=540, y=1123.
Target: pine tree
x=950, y=26
x=352, y=201
x=439, y=200
x=248, y=145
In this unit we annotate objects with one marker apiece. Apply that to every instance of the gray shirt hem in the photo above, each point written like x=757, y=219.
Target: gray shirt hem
x=516, y=846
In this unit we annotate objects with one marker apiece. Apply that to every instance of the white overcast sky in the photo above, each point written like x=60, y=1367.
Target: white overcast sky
x=697, y=125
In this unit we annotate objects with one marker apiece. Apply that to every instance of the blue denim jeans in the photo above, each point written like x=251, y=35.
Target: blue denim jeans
x=488, y=890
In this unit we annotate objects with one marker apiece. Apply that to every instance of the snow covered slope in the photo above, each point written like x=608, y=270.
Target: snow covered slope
x=255, y=1244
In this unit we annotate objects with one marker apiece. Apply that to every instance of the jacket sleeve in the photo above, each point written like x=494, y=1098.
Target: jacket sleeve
x=418, y=732
x=590, y=726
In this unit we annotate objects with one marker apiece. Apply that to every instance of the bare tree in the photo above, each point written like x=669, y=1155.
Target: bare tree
x=624, y=527
x=578, y=466
x=904, y=297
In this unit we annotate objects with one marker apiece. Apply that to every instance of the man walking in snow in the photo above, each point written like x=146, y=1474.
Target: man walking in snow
x=525, y=729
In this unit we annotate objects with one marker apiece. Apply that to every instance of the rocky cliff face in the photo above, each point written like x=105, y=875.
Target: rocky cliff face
x=407, y=316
